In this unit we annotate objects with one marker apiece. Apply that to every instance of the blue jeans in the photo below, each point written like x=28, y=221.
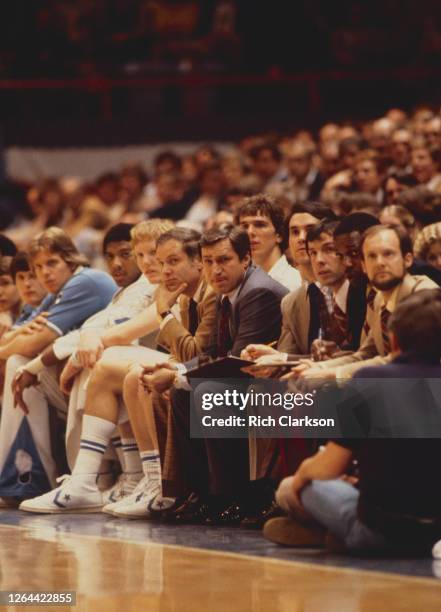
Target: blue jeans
x=333, y=504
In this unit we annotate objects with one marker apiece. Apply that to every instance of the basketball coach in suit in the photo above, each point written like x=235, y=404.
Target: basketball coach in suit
x=248, y=310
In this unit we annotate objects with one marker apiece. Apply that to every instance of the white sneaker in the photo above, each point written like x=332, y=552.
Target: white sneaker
x=125, y=485
x=72, y=496
x=436, y=550
x=136, y=505
x=110, y=506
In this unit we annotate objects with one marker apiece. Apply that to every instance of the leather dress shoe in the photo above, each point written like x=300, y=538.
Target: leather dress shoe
x=231, y=516
x=194, y=510
x=258, y=520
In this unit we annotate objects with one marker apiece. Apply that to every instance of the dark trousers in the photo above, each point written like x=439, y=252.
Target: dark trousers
x=183, y=459
x=217, y=466
x=228, y=458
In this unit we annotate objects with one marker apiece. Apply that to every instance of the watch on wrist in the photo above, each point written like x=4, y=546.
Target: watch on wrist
x=165, y=314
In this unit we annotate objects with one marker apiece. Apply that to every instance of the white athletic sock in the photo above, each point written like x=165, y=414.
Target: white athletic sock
x=132, y=460
x=151, y=464
x=117, y=445
x=95, y=437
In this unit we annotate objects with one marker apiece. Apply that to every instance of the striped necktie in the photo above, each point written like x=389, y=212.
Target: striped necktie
x=385, y=314
x=370, y=299
x=340, y=332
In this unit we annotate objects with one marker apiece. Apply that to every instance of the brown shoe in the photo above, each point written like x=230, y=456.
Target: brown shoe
x=289, y=532
x=6, y=503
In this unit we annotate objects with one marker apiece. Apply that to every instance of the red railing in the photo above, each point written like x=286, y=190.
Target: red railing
x=104, y=86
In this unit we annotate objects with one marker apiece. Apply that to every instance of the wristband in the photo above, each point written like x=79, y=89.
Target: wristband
x=35, y=366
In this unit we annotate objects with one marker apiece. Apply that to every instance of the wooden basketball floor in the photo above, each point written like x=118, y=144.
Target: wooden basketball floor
x=123, y=566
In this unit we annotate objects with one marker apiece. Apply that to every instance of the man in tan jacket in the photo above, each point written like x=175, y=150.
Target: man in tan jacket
x=387, y=256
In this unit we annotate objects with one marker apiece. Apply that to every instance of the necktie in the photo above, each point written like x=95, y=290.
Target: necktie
x=385, y=314
x=340, y=330
x=192, y=317
x=370, y=298
x=324, y=318
x=224, y=342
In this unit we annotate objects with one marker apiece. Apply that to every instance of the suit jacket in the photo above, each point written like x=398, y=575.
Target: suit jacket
x=295, y=322
x=372, y=351
x=176, y=338
x=422, y=267
x=256, y=316
x=301, y=322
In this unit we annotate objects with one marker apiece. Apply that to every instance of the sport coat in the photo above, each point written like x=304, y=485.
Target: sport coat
x=256, y=316
x=175, y=336
x=295, y=322
x=301, y=322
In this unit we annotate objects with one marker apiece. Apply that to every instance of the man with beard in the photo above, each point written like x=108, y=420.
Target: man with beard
x=387, y=257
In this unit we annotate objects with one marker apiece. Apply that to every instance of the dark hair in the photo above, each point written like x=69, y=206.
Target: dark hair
x=263, y=205
x=117, y=233
x=107, y=177
x=416, y=323
x=256, y=151
x=168, y=156
x=403, y=237
x=316, y=209
x=404, y=179
x=188, y=238
x=324, y=227
x=358, y=200
x=19, y=263
x=7, y=247
x=236, y=235
x=209, y=149
x=424, y=204
x=355, y=222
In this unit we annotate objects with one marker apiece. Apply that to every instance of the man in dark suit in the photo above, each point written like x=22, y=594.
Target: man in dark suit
x=306, y=322
x=397, y=506
x=248, y=310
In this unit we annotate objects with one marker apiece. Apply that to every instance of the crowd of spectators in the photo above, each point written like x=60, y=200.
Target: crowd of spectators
x=388, y=167
x=323, y=249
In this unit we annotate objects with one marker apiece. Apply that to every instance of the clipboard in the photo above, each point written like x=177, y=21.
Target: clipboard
x=223, y=367
x=280, y=368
